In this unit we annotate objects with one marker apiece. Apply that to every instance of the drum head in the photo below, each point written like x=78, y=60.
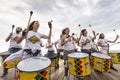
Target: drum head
x=5, y=53
x=114, y=51
x=78, y=55
x=34, y=64
x=99, y=55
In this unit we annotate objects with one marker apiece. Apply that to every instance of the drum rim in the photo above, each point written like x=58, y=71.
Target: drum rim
x=114, y=51
x=1, y=54
x=100, y=57
x=37, y=70
x=78, y=57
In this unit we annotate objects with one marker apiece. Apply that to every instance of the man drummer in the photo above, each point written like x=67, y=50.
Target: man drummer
x=104, y=45
x=86, y=41
x=13, y=37
x=14, y=47
x=66, y=41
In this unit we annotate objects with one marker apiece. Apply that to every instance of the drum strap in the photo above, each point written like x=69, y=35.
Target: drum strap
x=29, y=52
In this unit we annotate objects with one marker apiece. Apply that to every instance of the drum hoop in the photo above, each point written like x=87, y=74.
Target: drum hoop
x=101, y=58
x=34, y=71
x=38, y=70
x=78, y=57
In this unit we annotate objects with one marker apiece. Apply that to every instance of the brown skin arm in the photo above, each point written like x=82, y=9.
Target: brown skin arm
x=117, y=37
x=49, y=36
x=94, y=36
x=63, y=40
x=8, y=38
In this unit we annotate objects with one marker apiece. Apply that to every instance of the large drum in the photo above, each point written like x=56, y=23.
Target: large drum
x=100, y=62
x=5, y=54
x=115, y=55
x=53, y=58
x=11, y=64
x=35, y=68
x=79, y=64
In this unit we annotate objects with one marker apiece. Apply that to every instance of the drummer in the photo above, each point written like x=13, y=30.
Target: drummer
x=59, y=49
x=86, y=41
x=104, y=44
x=32, y=44
x=13, y=37
x=66, y=41
x=14, y=47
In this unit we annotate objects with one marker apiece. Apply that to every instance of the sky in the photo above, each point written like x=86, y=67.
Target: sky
x=103, y=15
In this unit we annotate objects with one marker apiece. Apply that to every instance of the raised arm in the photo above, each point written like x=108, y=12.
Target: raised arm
x=117, y=36
x=8, y=38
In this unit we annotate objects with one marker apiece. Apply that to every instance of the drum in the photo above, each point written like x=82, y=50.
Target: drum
x=79, y=64
x=4, y=55
x=11, y=64
x=53, y=58
x=62, y=55
x=35, y=68
x=115, y=56
x=100, y=62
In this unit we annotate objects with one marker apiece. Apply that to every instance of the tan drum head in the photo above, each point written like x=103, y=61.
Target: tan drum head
x=34, y=64
x=78, y=55
x=99, y=55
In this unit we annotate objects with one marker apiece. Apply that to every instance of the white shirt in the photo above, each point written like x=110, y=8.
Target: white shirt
x=94, y=46
x=103, y=42
x=59, y=44
x=68, y=45
x=88, y=45
x=13, y=41
x=74, y=44
x=33, y=40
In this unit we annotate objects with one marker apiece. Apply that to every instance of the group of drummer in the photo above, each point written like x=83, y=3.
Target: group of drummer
x=67, y=44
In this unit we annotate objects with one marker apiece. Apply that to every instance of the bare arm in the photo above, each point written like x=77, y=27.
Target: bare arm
x=114, y=40
x=94, y=36
x=63, y=41
x=8, y=38
x=49, y=36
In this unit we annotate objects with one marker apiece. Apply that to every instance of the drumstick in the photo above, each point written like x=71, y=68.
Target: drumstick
x=79, y=26
x=91, y=27
x=13, y=26
x=97, y=34
x=31, y=12
x=115, y=31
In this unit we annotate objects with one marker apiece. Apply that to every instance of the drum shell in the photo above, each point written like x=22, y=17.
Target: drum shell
x=37, y=75
x=100, y=64
x=115, y=57
x=11, y=64
x=79, y=66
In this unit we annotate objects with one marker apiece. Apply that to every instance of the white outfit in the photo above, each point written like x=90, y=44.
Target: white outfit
x=94, y=46
x=103, y=42
x=88, y=45
x=74, y=44
x=59, y=44
x=68, y=46
x=13, y=41
x=32, y=42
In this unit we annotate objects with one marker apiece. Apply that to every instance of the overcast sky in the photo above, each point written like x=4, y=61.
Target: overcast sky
x=103, y=15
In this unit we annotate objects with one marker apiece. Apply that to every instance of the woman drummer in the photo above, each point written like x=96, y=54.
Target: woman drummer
x=14, y=47
x=104, y=45
x=32, y=44
x=86, y=41
x=66, y=41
